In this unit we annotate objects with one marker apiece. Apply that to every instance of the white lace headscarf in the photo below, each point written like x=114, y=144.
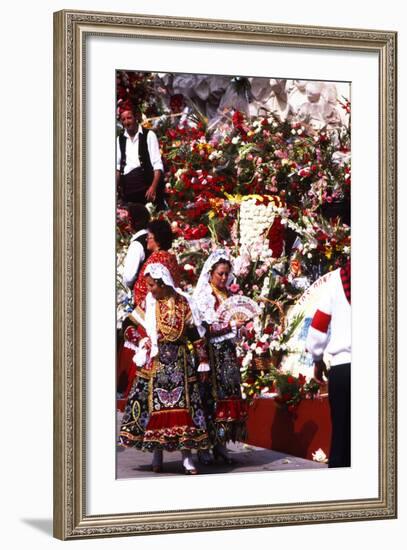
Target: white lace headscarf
x=159, y=271
x=203, y=296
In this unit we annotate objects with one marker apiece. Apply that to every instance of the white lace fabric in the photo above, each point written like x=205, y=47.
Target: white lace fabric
x=203, y=296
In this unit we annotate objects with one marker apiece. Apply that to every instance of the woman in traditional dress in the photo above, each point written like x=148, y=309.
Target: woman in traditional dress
x=164, y=410
x=226, y=411
x=159, y=242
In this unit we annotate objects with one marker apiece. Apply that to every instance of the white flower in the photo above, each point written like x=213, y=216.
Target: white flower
x=319, y=456
x=247, y=359
x=179, y=172
x=235, y=140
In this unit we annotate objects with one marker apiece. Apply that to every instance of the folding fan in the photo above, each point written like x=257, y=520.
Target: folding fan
x=237, y=308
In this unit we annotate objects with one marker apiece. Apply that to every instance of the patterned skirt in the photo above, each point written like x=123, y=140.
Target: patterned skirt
x=164, y=409
x=225, y=410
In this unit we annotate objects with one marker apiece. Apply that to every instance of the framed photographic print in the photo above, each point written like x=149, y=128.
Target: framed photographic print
x=214, y=182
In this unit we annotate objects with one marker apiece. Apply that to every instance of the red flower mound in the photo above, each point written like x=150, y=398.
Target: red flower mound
x=191, y=234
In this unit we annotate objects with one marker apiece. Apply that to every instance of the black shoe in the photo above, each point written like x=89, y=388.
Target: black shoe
x=190, y=471
x=222, y=453
x=204, y=457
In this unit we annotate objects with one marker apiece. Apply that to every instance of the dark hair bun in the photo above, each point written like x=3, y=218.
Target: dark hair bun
x=162, y=232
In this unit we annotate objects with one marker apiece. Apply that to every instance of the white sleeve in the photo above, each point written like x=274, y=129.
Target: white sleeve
x=317, y=337
x=118, y=154
x=134, y=258
x=154, y=151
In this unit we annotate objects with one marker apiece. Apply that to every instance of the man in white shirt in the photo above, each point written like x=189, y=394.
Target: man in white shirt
x=139, y=169
x=330, y=332
x=137, y=252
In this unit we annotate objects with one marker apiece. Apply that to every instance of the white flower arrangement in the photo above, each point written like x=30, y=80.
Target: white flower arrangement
x=255, y=219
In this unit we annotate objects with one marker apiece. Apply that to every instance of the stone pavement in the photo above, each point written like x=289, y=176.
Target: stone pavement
x=132, y=463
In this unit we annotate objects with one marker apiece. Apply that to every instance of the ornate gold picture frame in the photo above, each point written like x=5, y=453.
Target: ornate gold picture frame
x=72, y=65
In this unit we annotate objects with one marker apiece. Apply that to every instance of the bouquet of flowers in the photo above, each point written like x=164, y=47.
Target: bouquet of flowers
x=288, y=390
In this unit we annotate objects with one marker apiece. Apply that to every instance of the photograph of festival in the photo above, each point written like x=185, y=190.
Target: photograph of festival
x=233, y=281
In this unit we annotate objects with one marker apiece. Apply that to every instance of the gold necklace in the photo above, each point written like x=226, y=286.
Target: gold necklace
x=167, y=329
x=221, y=294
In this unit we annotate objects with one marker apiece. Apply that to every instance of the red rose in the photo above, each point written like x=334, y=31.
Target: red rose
x=237, y=118
x=301, y=379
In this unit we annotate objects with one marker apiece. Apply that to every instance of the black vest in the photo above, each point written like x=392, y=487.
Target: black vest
x=143, y=154
x=140, y=179
x=142, y=239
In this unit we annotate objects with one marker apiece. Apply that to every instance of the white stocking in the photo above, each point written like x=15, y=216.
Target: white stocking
x=187, y=460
